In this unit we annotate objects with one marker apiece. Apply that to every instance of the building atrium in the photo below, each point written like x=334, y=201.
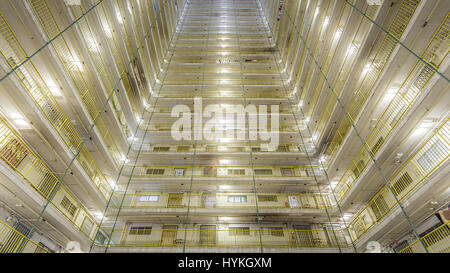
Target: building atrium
x=224, y=126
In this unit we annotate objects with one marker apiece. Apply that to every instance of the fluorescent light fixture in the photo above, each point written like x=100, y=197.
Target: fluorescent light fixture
x=224, y=140
x=224, y=187
x=325, y=22
x=338, y=34
x=221, y=148
x=333, y=184
x=21, y=122
x=224, y=161
x=119, y=18
x=223, y=81
x=112, y=183
x=98, y=215
x=225, y=218
x=390, y=94
x=352, y=49
x=423, y=127
x=56, y=92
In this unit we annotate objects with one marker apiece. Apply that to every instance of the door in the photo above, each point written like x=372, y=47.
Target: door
x=209, y=200
x=175, y=200
x=169, y=235
x=207, y=235
x=303, y=236
x=293, y=202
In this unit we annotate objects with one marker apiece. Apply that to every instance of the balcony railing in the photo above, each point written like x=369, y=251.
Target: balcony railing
x=188, y=147
x=73, y=69
x=437, y=241
x=398, y=26
x=13, y=53
x=180, y=171
x=11, y=241
x=434, y=54
x=16, y=153
x=209, y=236
x=432, y=155
x=223, y=201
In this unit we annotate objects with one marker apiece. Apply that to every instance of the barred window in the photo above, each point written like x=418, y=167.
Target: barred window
x=263, y=172
x=140, y=230
x=155, y=171
x=240, y=231
x=267, y=198
x=237, y=199
x=68, y=206
x=148, y=198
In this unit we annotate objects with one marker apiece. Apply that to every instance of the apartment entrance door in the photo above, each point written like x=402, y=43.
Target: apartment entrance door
x=175, y=200
x=209, y=200
x=169, y=235
x=303, y=236
x=207, y=235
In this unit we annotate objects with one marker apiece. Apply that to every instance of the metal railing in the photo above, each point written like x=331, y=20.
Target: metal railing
x=387, y=46
x=437, y=241
x=188, y=147
x=432, y=155
x=30, y=78
x=240, y=237
x=16, y=153
x=179, y=171
x=435, y=53
x=94, y=51
x=225, y=201
x=11, y=240
x=73, y=69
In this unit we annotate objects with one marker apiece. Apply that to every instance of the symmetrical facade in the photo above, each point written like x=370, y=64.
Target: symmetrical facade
x=224, y=126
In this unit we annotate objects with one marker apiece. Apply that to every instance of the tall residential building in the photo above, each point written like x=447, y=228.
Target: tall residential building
x=224, y=126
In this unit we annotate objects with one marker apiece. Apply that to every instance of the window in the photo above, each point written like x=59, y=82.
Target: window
x=179, y=172
x=68, y=206
x=263, y=172
x=239, y=231
x=377, y=145
x=287, y=172
x=236, y=172
x=87, y=225
x=148, y=198
x=256, y=149
x=402, y=183
x=237, y=199
x=161, y=149
x=155, y=171
x=283, y=148
x=267, y=198
x=183, y=149
x=140, y=230
x=273, y=231
x=432, y=156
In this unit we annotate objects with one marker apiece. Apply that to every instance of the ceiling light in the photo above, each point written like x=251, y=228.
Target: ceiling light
x=56, y=92
x=21, y=122
x=224, y=187
x=225, y=218
x=325, y=22
x=390, y=94
x=224, y=161
x=98, y=215
x=119, y=18
x=367, y=69
x=338, y=34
